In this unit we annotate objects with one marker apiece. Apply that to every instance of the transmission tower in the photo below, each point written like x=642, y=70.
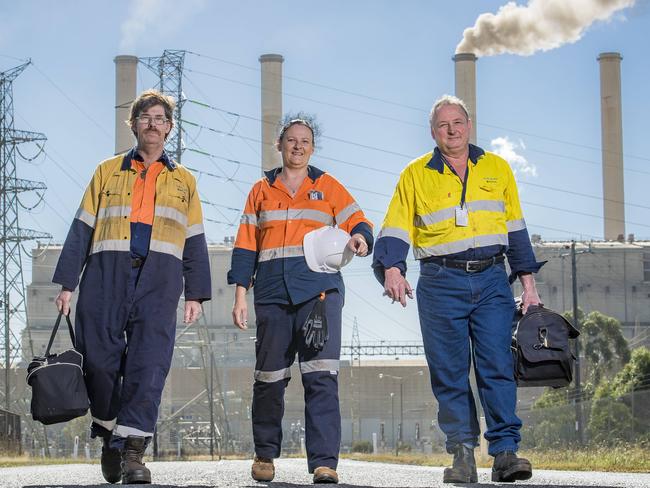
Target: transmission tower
x=169, y=68
x=12, y=301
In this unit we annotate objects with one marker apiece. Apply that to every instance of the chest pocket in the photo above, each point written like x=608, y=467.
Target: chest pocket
x=175, y=195
x=115, y=190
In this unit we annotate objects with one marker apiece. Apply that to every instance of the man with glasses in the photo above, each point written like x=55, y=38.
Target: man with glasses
x=458, y=207
x=138, y=237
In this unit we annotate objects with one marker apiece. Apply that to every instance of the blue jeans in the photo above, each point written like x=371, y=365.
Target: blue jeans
x=470, y=313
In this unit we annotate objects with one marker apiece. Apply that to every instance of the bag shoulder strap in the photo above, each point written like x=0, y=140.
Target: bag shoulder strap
x=56, y=328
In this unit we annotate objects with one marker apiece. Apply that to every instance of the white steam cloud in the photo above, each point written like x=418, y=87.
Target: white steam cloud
x=540, y=25
x=155, y=19
x=507, y=149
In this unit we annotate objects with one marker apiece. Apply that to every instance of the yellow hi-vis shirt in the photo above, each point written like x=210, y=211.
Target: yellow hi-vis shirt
x=422, y=214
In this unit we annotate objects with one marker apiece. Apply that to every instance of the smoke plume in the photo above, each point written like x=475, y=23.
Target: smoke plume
x=540, y=25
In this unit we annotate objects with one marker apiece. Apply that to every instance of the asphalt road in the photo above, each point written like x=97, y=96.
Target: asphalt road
x=292, y=473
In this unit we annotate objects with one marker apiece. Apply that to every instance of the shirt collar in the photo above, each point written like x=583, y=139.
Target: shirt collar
x=134, y=154
x=437, y=162
x=312, y=172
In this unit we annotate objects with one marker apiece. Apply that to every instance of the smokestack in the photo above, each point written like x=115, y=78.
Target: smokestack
x=612, y=145
x=466, y=85
x=126, y=75
x=271, y=108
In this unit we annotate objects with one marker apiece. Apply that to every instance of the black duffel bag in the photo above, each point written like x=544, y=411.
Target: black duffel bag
x=540, y=348
x=57, y=380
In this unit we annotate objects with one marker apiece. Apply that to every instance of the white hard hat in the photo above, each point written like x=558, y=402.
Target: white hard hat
x=326, y=249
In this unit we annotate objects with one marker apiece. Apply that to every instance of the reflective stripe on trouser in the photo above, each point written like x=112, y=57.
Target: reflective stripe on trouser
x=463, y=315
x=125, y=385
x=279, y=338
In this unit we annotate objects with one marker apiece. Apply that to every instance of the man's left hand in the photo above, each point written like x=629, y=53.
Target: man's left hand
x=192, y=311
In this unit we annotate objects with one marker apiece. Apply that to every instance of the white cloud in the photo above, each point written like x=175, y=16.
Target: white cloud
x=156, y=18
x=508, y=150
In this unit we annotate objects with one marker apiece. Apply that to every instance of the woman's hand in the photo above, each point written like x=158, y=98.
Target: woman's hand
x=240, y=308
x=358, y=245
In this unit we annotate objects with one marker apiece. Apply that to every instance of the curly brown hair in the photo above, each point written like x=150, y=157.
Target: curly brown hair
x=148, y=99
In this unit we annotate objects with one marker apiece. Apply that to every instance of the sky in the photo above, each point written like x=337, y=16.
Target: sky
x=369, y=70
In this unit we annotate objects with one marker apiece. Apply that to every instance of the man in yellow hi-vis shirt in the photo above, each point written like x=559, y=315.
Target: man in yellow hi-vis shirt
x=458, y=207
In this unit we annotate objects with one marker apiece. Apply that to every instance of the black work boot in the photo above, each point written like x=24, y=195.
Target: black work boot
x=463, y=469
x=508, y=468
x=133, y=470
x=111, y=461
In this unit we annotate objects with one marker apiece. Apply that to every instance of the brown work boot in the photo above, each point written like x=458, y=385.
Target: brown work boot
x=263, y=469
x=111, y=461
x=323, y=474
x=133, y=469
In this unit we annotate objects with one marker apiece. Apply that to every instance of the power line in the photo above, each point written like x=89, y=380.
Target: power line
x=398, y=104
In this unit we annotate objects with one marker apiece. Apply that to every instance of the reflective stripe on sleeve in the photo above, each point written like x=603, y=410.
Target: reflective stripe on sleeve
x=86, y=217
x=514, y=225
x=347, y=212
x=395, y=232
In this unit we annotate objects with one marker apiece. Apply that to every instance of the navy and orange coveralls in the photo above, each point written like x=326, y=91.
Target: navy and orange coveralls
x=269, y=250
x=138, y=236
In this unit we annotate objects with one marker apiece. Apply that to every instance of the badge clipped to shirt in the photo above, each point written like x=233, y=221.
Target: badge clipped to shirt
x=315, y=195
x=462, y=216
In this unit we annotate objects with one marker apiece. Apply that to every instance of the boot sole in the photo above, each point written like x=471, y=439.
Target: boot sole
x=516, y=473
x=137, y=480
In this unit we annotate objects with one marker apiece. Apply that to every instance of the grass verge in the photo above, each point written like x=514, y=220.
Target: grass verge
x=614, y=459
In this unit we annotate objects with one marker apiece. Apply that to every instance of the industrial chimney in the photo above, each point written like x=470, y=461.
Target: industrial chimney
x=466, y=85
x=612, y=145
x=126, y=75
x=271, y=108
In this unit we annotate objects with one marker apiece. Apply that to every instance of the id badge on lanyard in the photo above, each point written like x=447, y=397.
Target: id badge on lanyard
x=462, y=214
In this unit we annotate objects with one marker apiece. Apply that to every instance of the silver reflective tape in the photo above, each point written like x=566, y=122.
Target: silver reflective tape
x=487, y=205
x=194, y=230
x=250, y=219
x=295, y=214
x=319, y=365
x=280, y=252
x=460, y=246
x=434, y=217
x=107, y=424
x=86, y=217
x=125, y=431
x=111, y=245
x=514, y=225
x=347, y=212
x=166, y=248
x=114, y=211
x=171, y=213
x=272, y=376
x=400, y=234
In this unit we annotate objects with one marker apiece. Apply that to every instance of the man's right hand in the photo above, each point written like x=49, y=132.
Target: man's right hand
x=63, y=301
x=396, y=287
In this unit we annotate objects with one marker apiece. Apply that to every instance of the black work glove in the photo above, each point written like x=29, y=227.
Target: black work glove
x=315, y=328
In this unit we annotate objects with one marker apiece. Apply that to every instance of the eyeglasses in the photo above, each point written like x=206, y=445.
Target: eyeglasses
x=148, y=119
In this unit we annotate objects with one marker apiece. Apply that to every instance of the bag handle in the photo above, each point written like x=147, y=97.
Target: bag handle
x=56, y=328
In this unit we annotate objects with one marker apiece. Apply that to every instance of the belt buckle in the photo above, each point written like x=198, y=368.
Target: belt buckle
x=469, y=266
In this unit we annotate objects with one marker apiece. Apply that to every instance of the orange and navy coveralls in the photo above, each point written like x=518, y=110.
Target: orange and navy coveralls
x=138, y=237
x=268, y=252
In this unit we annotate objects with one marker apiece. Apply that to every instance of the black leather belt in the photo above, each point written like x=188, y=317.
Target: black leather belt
x=137, y=262
x=468, y=266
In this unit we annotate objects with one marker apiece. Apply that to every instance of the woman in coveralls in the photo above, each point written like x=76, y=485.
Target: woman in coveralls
x=282, y=207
